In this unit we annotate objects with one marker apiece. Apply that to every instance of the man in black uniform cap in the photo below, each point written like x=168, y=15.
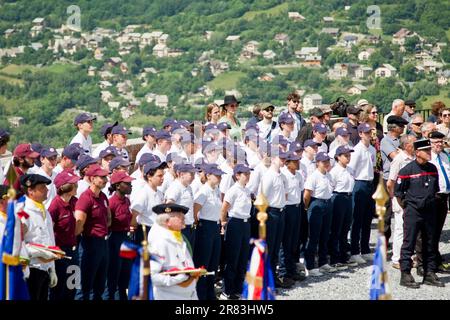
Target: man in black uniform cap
x=416, y=188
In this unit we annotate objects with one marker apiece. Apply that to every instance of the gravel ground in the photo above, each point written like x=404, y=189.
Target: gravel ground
x=353, y=283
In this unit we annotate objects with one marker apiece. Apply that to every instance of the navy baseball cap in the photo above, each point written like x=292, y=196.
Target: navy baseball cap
x=156, y=164
x=147, y=157
x=37, y=147
x=4, y=133
x=310, y=143
x=209, y=145
x=320, y=127
x=223, y=126
x=292, y=156
x=252, y=126
x=282, y=140
x=49, y=152
x=341, y=131
x=187, y=138
x=184, y=167
x=322, y=156
x=211, y=127
x=118, y=162
x=149, y=131
x=286, y=118
x=282, y=154
x=163, y=134
x=212, y=169
x=364, y=127
x=84, y=161
x=73, y=151
x=84, y=117
x=107, y=127
x=295, y=146
x=120, y=130
x=109, y=151
x=167, y=122
x=241, y=168
x=343, y=149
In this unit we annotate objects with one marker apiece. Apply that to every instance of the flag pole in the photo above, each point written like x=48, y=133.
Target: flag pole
x=261, y=204
x=381, y=197
x=146, y=262
x=11, y=195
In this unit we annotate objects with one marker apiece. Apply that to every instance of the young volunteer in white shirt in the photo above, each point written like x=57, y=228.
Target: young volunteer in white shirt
x=148, y=135
x=207, y=206
x=341, y=204
x=309, y=154
x=236, y=205
x=318, y=192
x=84, y=123
x=106, y=133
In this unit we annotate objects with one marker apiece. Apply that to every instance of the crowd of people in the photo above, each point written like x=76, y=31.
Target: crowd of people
x=191, y=190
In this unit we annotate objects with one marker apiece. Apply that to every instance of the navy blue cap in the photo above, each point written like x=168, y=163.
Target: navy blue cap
x=252, y=126
x=49, y=152
x=397, y=120
x=241, y=168
x=223, y=126
x=120, y=130
x=211, y=127
x=167, y=122
x=30, y=180
x=436, y=135
x=163, y=134
x=286, y=118
x=173, y=156
x=282, y=155
x=107, y=127
x=149, y=131
x=295, y=146
x=212, y=169
x=209, y=145
x=37, y=147
x=84, y=117
x=73, y=151
x=341, y=131
x=282, y=141
x=187, y=138
x=364, y=127
x=184, y=167
x=3, y=133
x=147, y=157
x=310, y=143
x=322, y=156
x=422, y=144
x=118, y=162
x=292, y=156
x=83, y=161
x=153, y=165
x=186, y=123
x=343, y=149
x=169, y=208
x=109, y=151
x=320, y=127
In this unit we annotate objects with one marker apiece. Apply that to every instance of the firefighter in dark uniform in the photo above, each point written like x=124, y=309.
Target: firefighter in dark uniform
x=416, y=188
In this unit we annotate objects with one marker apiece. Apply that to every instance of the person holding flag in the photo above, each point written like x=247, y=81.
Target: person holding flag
x=170, y=251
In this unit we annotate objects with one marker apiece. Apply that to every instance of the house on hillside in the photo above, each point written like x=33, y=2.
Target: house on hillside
x=306, y=51
x=281, y=38
x=233, y=38
x=312, y=101
x=91, y=71
x=364, y=55
x=16, y=122
x=328, y=19
x=161, y=101
x=160, y=50
x=295, y=16
x=443, y=77
x=356, y=89
x=334, y=32
x=269, y=55
x=363, y=72
x=385, y=71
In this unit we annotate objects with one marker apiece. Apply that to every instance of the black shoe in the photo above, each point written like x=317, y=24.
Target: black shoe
x=407, y=280
x=420, y=271
x=298, y=277
x=432, y=279
x=284, y=282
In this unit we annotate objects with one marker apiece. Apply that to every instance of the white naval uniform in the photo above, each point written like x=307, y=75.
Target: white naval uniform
x=320, y=185
x=86, y=143
x=362, y=162
x=274, y=187
x=209, y=199
x=145, y=149
x=342, y=179
x=240, y=201
x=142, y=201
x=102, y=146
x=295, y=186
x=183, y=196
x=169, y=254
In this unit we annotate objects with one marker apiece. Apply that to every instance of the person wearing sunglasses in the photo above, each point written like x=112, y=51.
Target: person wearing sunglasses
x=294, y=108
x=444, y=126
x=415, y=125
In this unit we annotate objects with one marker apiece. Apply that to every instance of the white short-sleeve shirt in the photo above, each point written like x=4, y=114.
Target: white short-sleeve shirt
x=343, y=180
x=144, y=149
x=240, y=201
x=143, y=200
x=227, y=179
x=362, y=162
x=86, y=143
x=320, y=185
x=295, y=186
x=274, y=187
x=209, y=199
x=183, y=196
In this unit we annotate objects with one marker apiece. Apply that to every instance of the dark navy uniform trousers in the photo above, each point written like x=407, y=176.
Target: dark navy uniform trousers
x=291, y=240
x=363, y=209
x=341, y=221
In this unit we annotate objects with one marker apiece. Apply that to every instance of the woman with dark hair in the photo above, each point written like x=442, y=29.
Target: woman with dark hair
x=62, y=210
x=436, y=109
x=118, y=268
x=228, y=113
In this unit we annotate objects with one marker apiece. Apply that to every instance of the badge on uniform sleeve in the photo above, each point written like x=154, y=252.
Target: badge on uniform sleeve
x=167, y=210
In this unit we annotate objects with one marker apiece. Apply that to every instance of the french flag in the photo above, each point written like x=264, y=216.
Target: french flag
x=259, y=283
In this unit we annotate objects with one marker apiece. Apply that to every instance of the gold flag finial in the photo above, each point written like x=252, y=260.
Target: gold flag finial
x=380, y=196
x=261, y=204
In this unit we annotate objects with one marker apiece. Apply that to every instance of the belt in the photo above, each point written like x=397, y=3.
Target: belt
x=240, y=219
x=275, y=209
x=209, y=221
x=343, y=193
x=293, y=205
x=317, y=199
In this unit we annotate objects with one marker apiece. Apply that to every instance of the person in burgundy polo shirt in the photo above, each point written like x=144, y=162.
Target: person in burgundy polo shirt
x=23, y=159
x=93, y=217
x=118, y=268
x=62, y=210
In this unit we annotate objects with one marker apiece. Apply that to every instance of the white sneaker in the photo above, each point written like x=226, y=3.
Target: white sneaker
x=357, y=258
x=326, y=268
x=314, y=273
x=368, y=257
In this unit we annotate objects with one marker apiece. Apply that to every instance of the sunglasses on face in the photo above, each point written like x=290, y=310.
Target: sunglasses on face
x=446, y=115
x=295, y=101
x=417, y=124
x=374, y=112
